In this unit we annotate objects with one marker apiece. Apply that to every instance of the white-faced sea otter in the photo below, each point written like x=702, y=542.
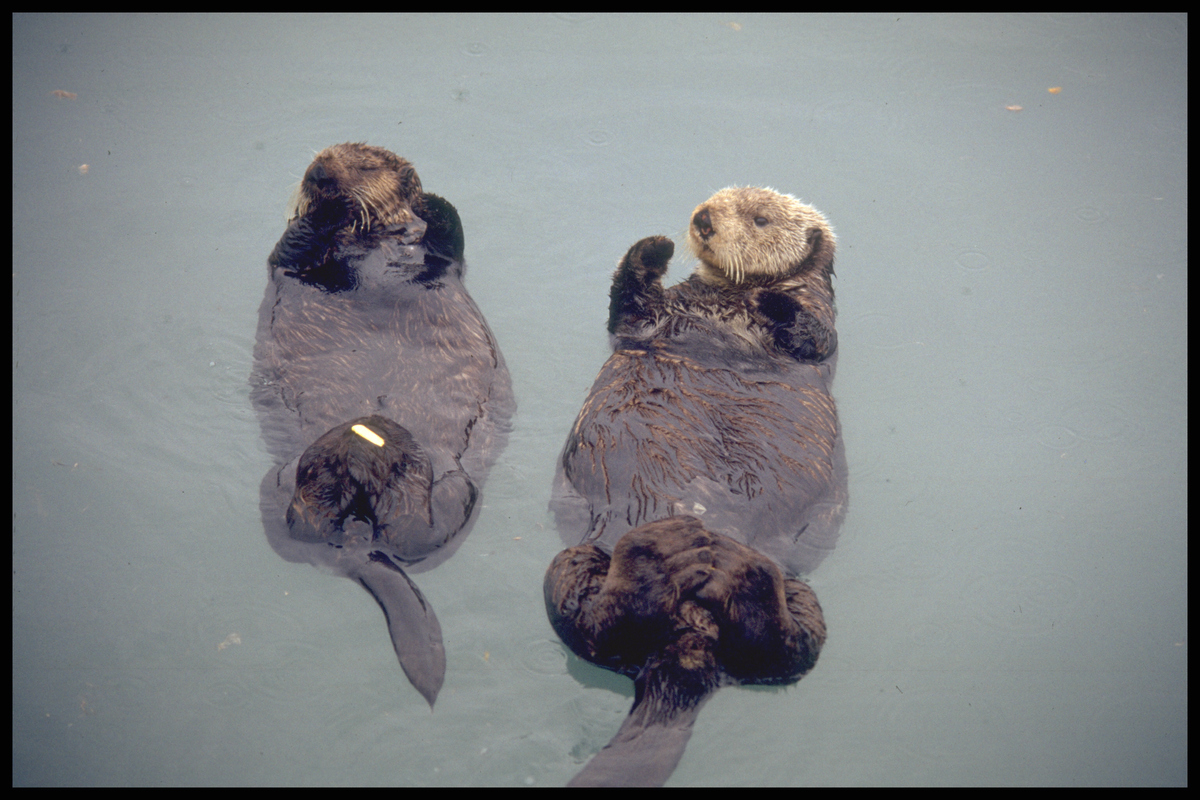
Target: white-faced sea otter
x=705, y=468
x=381, y=391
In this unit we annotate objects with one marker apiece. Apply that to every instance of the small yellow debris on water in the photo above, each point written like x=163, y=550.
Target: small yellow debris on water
x=231, y=639
x=368, y=434
x=1013, y=108
x=62, y=94
x=1054, y=89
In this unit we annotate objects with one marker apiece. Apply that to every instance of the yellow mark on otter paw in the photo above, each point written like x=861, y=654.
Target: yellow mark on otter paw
x=368, y=434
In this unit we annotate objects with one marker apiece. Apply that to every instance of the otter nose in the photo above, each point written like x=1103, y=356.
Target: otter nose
x=318, y=177
x=703, y=224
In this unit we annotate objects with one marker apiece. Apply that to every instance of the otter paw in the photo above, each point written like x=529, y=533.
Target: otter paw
x=649, y=256
x=776, y=307
x=696, y=580
x=741, y=582
x=795, y=330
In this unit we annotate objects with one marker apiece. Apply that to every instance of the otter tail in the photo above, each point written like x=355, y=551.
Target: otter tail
x=416, y=633
x=651, y=740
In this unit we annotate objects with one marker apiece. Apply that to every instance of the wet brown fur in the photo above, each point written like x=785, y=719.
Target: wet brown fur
x=716, y=400
x=747, y=622
x=682, y=611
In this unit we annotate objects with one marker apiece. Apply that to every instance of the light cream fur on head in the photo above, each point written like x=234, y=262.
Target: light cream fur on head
x=742, y=232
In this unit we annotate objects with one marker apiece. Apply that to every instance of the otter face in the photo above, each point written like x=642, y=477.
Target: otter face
x=357, y=186
x=740, y=233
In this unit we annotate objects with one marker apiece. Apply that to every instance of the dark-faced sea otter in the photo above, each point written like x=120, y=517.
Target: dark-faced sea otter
x=705, y=469
x=382, y=393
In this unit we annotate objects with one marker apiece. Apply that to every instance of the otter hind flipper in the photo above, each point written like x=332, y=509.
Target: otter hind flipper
x=414, y=628
x=651, y=740
x=640, y=754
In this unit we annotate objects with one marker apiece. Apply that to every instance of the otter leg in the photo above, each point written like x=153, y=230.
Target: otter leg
x=805, y=643
x=771, y=628
x=452, y=502
x=796, y=331
x=616, y=611
x=572, y=585
x=637, y=292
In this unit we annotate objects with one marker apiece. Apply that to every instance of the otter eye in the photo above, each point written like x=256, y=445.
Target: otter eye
x=760, y=222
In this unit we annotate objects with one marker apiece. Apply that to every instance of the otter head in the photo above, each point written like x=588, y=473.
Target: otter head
x=359, y=187
x=741, y=233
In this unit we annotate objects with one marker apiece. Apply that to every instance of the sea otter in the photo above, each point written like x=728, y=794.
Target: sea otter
x=708, y=460
x=382, y=393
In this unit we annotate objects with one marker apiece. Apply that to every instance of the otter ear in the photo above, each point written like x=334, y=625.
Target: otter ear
x=821, y=248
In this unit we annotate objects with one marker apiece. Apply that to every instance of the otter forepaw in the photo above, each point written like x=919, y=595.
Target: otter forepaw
x=636, y=289
x=776, y=307
x=795, y=331
x=648, y=257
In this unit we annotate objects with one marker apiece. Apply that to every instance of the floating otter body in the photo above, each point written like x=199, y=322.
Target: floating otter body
x=383, y=396
x=707, y=457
